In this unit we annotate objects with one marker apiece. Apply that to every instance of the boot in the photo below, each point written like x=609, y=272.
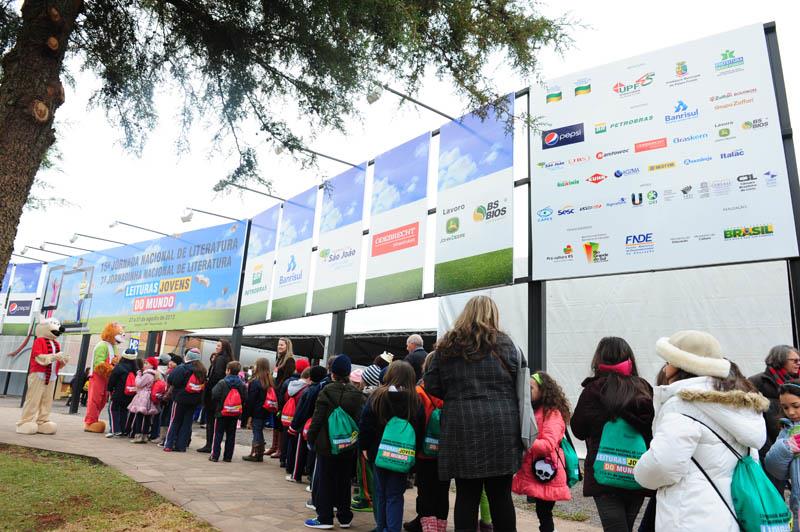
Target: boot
x=274, y=446
x=415, y=525
x=143, y=438
x=485, y=527
x=257, y=453
x=277, y=453
x=162, y=436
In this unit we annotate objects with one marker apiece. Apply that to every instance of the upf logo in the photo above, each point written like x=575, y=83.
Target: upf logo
x=562, y=136
x=629, y=89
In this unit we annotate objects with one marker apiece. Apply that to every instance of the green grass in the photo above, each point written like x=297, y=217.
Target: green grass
x=334, y=298
x=15, y=329
x=168, y=321
x=44, y=490
x=290, y=307
x=402, y=286
x=253, y=313
x=479, y=271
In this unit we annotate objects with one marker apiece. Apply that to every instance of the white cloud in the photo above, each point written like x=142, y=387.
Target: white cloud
x=493, y=154
x=455, y=168
x=288, y=233
x=352, y=210
x=413, y=185
x=385, y=195
x=331, y=217
x=359, y=178
x=421, y=150
x=305, y=228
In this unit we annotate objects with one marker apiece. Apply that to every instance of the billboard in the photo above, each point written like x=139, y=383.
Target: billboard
x=22, y=301
x=474, y=229
x=669, y=159
x=340, y=235
x=293, y=266
x=399, y=211
x=257, y=284
x=183, y=281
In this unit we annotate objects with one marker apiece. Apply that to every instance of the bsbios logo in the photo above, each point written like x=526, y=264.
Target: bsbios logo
x=491, y=211
x=629, y=89
x=738, y=233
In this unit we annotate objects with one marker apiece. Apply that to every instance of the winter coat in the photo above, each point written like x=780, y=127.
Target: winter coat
x=547, y=445
x=117, y=380
x=283, y=390
x=765, y=383
x=782, y=464
x=429, y=403
x=178, y=379
x=480, y=432
x=332, y=396
x=305, y=408
x=142, y=403
x=589, y=418
x=256, y=395
x=216, y=372
x=686, y=500
x=416, y=358
x=220, y=392
x=370, y=428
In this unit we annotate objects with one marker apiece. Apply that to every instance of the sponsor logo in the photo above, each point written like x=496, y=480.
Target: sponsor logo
x=397, y=239
x=637, y=198
x=596, y=178
x=630, y=122
x=728, y=95
x=731, y=154
x=450, y=210
x=20, y=307
x=332, y=256
x=626, y=172
x=632, y=88
x=579, y=159
x=562, y=136
x=603, y=154
x=544, y=215
x=600, y=127
x=292, y=266
x=681, y=113
x=565, y=256
x=721, y=187
x=550, y=165
x=756, y=123
x=566, y=210
x=747, y=182
x=660, y=166
x=737, y=233
x=726, y=101
x=491, y=211
x=620, y=201
x=770, y=178
x=258, y=274
x=682, y=75
x=648, y=145
x=568, y=182
x=697, y=160
x=452, y=225
x=593, y=253
x=639, y=244
x=729, y=63
x=690, y=138
x=591, y=207
x=553, y=94
x=583, y=86
x=292, y=275
x=681, y=70
x=687, y=192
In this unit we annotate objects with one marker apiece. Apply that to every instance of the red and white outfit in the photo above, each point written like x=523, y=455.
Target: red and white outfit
x=46, y=361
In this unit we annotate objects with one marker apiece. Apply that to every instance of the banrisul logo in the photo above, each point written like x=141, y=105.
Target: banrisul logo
x=730, y=62
x=292, y=275
x=562, y=136
x=681, y=113
x=631, y=88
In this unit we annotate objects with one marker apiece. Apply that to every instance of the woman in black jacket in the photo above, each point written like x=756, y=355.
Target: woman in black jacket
x=185, y=398
x=614, y=391
x=257, y=389
x=216, y=372
x=118, y=407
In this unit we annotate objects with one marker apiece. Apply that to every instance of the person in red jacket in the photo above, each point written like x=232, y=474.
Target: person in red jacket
x=543, y=474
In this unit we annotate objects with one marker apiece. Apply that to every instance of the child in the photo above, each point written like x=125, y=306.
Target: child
x=260, y=383
x=142, y=407
x=551, y=409
x=396, y=397
x=295, y=391
x=188, y=382
x=224, y=399
x=305, y=409
x=119, y=399
x=780, y=461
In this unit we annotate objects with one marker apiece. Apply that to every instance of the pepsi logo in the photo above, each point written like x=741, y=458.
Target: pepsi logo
x=551, y=139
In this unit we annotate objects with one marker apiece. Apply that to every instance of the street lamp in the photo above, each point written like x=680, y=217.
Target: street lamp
x=115, y=223
x=27, y=248
x=29, y=258
x=75, y=236
x=376, y=92
x=66, y=246
x=189, y=213
x=256, y=191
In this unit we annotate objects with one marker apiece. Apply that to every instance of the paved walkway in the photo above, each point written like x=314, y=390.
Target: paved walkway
x=238, y=496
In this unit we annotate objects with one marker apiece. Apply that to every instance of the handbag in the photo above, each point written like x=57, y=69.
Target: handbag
x=544, y=470
x=527, y=421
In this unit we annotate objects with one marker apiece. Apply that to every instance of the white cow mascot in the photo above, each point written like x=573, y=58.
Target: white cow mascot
x=46, y=361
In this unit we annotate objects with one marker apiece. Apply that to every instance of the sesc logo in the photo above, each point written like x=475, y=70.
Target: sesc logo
x=596, y=178
x=562, y=136
x=632, y=88
x=566, y=210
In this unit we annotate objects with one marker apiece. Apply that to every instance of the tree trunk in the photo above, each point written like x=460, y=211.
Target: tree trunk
x=30, y=93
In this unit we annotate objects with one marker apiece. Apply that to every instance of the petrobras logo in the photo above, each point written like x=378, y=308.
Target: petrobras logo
x=562, y=136
x=626, y=172
x=631, y=122
x=544, y=215
x=731, y=154
x=681, y=113
x=689, y=138
x=604, y=154
x=596, y=178
x=696, y=160
x=625, y=89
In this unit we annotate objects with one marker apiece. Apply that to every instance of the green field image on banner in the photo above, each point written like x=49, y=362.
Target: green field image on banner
x=479, y=271
x=253, y=313
x=394, y=288
x=289, y=307
x=168, y=321
x=335, y=298
x=15, y=329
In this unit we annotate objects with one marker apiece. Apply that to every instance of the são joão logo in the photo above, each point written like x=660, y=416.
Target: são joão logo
x=562, y=136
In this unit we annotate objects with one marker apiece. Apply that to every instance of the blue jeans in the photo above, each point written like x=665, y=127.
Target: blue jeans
x=258, y=430
x=388, y=499
x=180, y=427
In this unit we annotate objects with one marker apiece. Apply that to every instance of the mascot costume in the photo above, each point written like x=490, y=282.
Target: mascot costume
x=46, y=361
x=104, y=359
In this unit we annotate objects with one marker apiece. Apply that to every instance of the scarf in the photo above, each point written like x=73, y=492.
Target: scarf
x=780, y=375
x=624, y=368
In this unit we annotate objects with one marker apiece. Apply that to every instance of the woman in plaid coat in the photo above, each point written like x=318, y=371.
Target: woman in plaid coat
x=474, y=372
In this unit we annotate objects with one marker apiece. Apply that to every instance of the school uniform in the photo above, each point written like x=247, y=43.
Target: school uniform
x=225, y=426
x=179, y=432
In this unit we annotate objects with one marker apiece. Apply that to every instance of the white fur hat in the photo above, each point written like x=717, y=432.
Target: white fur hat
x=388, y=357
x=697, y=352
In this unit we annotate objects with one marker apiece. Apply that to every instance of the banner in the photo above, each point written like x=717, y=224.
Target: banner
x=22, y=304
x=186, y=281
x=294, y=256
x=340, y=236
x=257, y=284
x=474, y=228
x=667, y=160
x=397, y=232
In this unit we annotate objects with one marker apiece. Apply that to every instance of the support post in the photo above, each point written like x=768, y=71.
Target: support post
x=793, y=266
x=336, y=339
x=537, y=326
x=80, y=374
x=236, y=341
x=152, y=339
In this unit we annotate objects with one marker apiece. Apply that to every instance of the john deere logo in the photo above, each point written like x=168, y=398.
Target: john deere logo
x=480, y=214
x=452, y=225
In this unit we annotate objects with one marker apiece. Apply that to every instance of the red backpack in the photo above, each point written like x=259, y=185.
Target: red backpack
x=232, y=406
x=157, y=391
x=287, y=414
x=194, y=385
x=130, y=384
x=305, y=429
x=271, y=401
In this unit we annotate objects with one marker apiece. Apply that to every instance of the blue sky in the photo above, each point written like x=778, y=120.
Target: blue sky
x=343, y=199
x=264, y=232
x=401, y=175
x=26, y=278
x=297, y=223
x=472, y=148
x=6, y=278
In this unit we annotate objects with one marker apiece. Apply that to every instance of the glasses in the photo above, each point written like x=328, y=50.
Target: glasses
x=793, y=360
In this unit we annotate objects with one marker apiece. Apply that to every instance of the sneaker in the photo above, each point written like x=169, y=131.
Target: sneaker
x=310, y=505
x=308, y=488
x=289, y=478
x=314, y=523
x=345, y=525
x=109, y=434
x=204, y=449
x=212, y=458
x=167, y=449
x=226, y=460
x=360, y=506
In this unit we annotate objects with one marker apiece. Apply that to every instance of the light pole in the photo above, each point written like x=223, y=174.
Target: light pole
x=375, y=93
x=187, y=217
x=115, y=223
x=75, y=236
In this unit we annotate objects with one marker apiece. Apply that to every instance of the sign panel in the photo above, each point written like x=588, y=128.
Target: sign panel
x=293, y=266
x=257, y=284
x=667, y=160
x=399, y=211
x=340, y=235
x=22, y=304
x=474, y=228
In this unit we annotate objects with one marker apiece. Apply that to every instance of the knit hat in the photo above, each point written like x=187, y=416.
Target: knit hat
x=341, y=366
x=130, y=354
x=356, y=375
x=318, y=373
x=193, y=354
x=696, y=352
x=153, y=361
x=371, y=375
x=177, y=359
x=164, y=358
x=300, y=364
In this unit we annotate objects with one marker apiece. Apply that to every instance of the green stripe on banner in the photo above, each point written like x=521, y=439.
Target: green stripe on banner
x=479, y=271
x=15, y=329
x=167, y=321
x=334, y=298
x=394, y=288
x=289, y=307
x=253, y=313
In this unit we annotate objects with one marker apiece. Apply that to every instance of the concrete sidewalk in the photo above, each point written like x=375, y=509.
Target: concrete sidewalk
x=238, y=496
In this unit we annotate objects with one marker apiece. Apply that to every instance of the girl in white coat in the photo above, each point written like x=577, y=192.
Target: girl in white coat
x=705, y=386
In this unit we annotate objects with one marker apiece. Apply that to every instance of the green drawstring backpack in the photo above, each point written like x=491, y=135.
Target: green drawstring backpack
x=432, y=433
x=397, y=450
x=571, y=463
x=342, y=430
x=620, y=448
